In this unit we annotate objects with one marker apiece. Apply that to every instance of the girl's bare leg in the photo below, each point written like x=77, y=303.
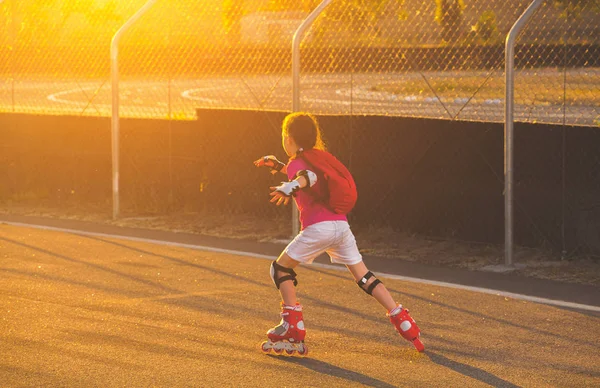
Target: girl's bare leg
x=287, y=288
x=380, y=293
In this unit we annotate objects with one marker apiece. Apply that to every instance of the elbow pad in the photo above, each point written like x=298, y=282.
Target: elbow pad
x=310, y=177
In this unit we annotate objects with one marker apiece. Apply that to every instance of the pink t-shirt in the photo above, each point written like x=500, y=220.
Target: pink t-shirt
x=312, y=210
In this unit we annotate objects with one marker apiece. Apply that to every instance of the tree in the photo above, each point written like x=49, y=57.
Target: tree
x=365, y=14
x=574, y=8
x=486, y=29
x=448, y=14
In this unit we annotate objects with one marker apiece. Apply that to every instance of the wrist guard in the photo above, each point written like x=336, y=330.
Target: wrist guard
x=273, y=163
x=288, y=188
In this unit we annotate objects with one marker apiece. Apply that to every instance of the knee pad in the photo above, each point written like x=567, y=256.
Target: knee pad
x=291, y=275
x=363, y=281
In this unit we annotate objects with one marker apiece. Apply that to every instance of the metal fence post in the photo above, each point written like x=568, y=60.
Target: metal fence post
x=114, y=71
x=298, y=36
x=509, y=128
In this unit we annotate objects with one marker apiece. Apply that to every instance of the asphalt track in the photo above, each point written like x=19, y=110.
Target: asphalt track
x=85, y=310
x=321, y=94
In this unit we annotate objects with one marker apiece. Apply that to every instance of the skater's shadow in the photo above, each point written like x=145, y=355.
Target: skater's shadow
x=469, y=371
x=472, y=312
x=335, y=371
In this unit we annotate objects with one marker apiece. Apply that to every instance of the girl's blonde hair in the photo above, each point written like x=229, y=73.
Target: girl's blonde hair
x=304, y=129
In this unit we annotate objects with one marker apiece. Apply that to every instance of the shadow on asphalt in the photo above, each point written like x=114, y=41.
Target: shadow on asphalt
x=475, y=313
x=345, y=310
x=179, y=261
x=469, y=371
x=206, y=303
x=582, y=312
x=95, y=266
x=335, y=371
x=500, y=320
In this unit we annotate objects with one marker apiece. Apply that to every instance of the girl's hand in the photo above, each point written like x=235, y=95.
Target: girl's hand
x=271, y=162
x=279, y=198
x=283, y=192
x=267, y=161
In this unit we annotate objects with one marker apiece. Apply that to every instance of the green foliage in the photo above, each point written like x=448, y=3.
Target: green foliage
x=448, y=11
x=373, y=10
x=366, y=14
x=448, y=14
x=575, y=8
x=486, y=28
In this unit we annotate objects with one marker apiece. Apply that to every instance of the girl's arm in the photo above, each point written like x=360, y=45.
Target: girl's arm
x=283, y=193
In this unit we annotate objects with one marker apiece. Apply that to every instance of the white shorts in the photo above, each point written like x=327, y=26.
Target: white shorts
x=333, y=237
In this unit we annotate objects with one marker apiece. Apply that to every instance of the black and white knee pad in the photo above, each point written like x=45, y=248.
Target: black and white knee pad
x=291, y=275
x=363, y=281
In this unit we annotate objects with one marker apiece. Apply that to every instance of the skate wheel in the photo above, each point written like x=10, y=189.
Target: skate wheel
x=303, y=351
x=277, y=351
x=265, y=347
x=418, y=344
x=289, y=352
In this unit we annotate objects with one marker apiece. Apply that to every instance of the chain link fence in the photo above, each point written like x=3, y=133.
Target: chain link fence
x=181, y=55
x=54, y=55
x=557, y=78
x=444, y=59
x=436, y=59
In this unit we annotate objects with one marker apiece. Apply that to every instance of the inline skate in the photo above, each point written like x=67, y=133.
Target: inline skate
x=406, y=326
x=287, y=338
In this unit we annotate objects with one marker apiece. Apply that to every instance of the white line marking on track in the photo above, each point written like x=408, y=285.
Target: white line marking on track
x=56, y=96
x=506, y=294
x=189, y=94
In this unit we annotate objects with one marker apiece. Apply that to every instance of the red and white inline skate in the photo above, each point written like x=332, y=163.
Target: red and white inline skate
x=287, y=338
x=406, y=326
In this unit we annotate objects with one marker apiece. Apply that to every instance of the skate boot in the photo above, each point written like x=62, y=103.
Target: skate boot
x=287, y=338
x=406, y=326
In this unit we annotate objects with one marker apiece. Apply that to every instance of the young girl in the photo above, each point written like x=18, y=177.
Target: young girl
x=322, y=230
